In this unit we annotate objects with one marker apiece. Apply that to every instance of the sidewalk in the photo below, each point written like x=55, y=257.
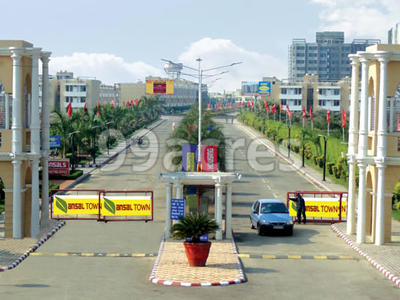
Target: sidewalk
x=385, y=258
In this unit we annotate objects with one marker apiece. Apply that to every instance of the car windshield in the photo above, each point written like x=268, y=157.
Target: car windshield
x=270, y=208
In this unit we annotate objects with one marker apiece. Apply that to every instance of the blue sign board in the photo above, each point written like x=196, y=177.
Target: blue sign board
x=203, y=238
x=55, y=141
x=189, y=158
x=177, y=208
x=264, y=88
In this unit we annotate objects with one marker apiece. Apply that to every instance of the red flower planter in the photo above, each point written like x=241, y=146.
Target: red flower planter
x=197, y=253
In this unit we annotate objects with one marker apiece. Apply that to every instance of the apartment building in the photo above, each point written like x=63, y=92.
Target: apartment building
x=394, y=34
x=327, y=56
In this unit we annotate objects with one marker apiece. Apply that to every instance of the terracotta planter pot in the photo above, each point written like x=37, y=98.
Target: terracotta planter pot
x=197, y=253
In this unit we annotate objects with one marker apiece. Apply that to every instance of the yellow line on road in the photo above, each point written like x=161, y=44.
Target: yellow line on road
x=87, y=254
x=346, y=257
x=138, y=254
x=36, y=253
x=112, y=254
x=244, y=255
x=294, y=256
x=320, y=257
x=269, y=256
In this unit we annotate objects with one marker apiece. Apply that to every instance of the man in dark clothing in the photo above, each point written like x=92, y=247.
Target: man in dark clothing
x=301, y=207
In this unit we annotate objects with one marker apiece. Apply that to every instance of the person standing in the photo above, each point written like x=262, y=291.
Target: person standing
x=301, y=207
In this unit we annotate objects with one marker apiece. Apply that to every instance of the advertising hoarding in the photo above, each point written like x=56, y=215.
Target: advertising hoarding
x=209, y=161
x=55, y=141
x=159, y=87
x=59, y=166
x=249, y=88
x=189, y=158
x=320, y=207
x=264, y=88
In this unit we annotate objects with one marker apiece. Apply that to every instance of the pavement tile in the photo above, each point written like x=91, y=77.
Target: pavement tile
x=221, y=266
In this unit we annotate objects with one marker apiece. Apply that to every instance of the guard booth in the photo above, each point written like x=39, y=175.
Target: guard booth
x=202, y=192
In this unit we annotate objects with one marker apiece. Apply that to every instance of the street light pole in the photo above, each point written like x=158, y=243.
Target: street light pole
x=199, y=126
x=289, y=144
x=73, y=150
x=324, y=170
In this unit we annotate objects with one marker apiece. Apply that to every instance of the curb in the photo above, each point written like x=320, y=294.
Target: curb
x=378, y=266
x=155, y=280
x=33, y=248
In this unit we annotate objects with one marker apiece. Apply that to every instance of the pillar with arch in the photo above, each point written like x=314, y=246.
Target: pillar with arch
x=24, y=137
x=374, y=142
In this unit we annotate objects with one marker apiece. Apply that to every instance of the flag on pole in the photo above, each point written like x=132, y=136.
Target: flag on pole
x=69, y=109
x=123, y=103
x=273, y=109
x=328, y=116
x=311, y=116
x=112, y=103
x=280, y=108
x=343, y=118
x=136, y=101
x=98, y=108
x=251, y=104
x=84, y=108
x=288, y=111
x=131, y=102
x=266, y=106
x=304, y=113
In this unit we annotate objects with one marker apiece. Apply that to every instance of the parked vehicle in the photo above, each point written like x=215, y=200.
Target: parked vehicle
x=270, y=214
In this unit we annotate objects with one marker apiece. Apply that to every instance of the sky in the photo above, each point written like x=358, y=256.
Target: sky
x=125, y=40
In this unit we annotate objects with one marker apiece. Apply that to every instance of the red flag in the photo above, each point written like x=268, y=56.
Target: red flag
x=273, y=109
x=98, y=108
x=123, y=103
x=251, y=104
x=84, y=108
x=266, y=106
x=304, y=113
x=136, y=101
x=328, y=116
x=112, y=103
x=69, y=109
x=343, y=118
x=132, y=102
x=280, y=108
x=288, y=111
x=311, y=116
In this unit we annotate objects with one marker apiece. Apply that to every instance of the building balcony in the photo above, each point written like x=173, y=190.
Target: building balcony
x=291, y=96
x=74, y=94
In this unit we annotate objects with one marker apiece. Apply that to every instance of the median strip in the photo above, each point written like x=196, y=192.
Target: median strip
x=93, y=254
x=304, y=257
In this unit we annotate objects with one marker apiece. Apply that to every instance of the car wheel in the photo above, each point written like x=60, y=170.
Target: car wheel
x=259, y=230
x=251, y=223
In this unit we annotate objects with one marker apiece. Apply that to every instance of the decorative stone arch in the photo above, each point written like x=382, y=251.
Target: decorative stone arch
x=370, y=201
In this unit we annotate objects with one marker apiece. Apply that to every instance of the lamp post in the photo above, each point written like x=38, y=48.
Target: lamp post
x=324, y=170
x=94, y=143
x=108, y=137
x=73, y=149
x=288, y=147
x=200, y=74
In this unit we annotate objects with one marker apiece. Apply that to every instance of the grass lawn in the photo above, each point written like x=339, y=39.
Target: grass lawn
x=1, y=208
x=396, y=214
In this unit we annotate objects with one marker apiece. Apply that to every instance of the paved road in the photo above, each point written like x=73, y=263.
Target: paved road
x=81, y=277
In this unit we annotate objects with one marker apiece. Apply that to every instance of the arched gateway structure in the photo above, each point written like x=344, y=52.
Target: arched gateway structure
x=374, y=141
x=24, y=136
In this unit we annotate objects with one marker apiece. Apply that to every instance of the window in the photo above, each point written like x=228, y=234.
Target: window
x=283, y=101
x=300, y=54
x=336, y=103
x=83, y=88
x=283, y=91
x=336, y=92
x=299, y=61
x=321, y=102
x=83, y=99
x=68, y=88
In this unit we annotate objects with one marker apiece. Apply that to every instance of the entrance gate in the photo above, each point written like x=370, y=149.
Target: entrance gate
x=101, y=205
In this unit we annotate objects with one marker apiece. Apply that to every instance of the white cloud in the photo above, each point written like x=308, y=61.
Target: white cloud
x=106, y=67
x=359, y=18
x=219, y=52
x=215, y=52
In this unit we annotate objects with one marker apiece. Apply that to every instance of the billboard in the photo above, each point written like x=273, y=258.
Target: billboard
x=159, y=87
x=321, y=207
x=264, y=88
x=55, y=141
x=59, y=166
x=249, y=88
x=209, y=161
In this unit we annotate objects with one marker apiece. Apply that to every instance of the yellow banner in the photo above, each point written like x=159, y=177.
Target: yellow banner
x=320, y=207
x=110, y=205
x=126, y=206
x=159, y=87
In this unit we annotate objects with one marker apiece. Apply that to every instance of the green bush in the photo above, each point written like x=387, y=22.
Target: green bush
x=396, y=195
x=329, y=167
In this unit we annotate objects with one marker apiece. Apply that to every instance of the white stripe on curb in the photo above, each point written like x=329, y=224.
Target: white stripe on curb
x=379, y=267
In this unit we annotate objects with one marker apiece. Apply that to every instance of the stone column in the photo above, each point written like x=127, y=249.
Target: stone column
x=381, y=154
x=178, y=190
x=7, y=112
x=35, y=145
x=168, y=196
x=45, y=138
x=16, y=147
x=362, y=152
x=353, y=134
x=228, y=216
x=218, y=210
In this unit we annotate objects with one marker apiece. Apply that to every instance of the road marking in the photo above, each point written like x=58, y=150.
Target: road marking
x=94, y=254
x=303, y=257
